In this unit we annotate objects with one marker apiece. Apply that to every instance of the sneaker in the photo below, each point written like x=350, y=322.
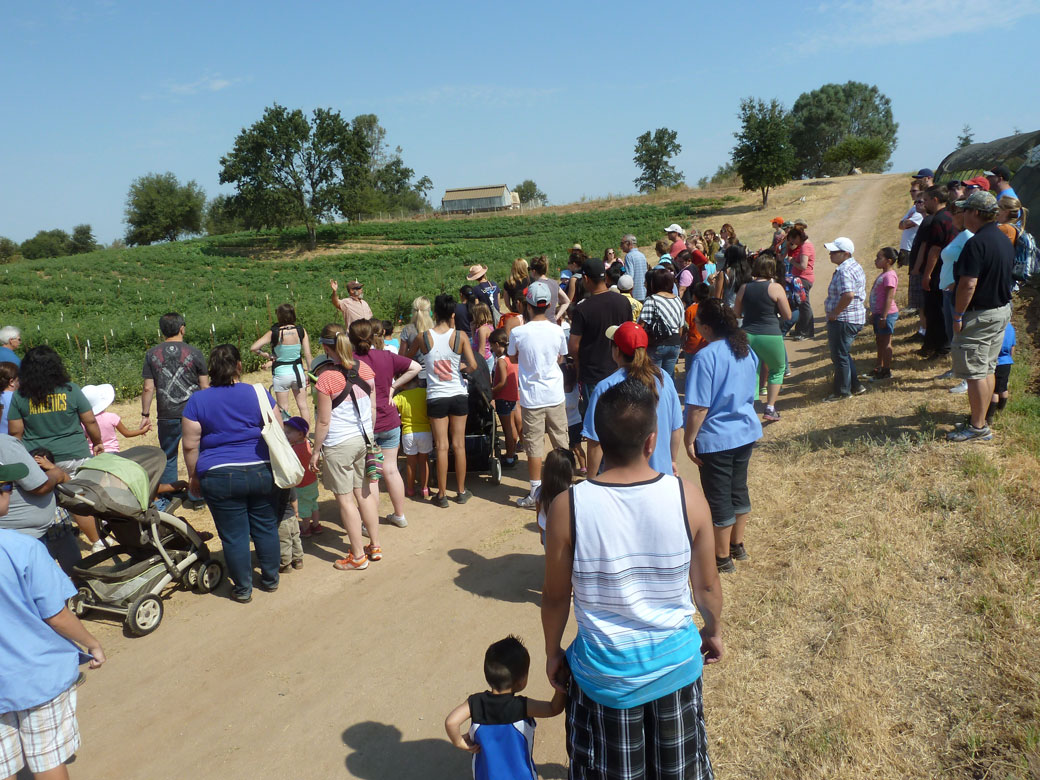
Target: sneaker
x=725, y=565
x=162, y=503
x=373, y=552
x=835, y=397
x=859, y=390
x=350, y=563
x=970, y=433
x=397, y=520
x=787, y=372
x=960, y=388
x=463, y=497
x=801, y=337
x=425, y=493
x=771, y=414
x=297, y=564
x=98, y=546
x=440, y=501
x=527, y=502
x=284, y=568
x=737, y=552
x=509, y=462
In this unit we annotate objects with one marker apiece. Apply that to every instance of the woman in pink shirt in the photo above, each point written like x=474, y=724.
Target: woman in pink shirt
x=802, y=256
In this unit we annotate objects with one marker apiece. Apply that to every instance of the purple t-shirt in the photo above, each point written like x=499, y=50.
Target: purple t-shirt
x=386, y=366
x=231, y=425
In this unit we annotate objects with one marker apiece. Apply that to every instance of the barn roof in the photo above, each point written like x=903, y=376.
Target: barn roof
x=466, y=193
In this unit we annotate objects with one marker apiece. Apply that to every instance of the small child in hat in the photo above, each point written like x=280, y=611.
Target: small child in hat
x=100, y=398
x=296, y=429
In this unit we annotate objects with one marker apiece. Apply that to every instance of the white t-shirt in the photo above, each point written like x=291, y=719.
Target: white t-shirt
x=906, y=238
x=538, y=346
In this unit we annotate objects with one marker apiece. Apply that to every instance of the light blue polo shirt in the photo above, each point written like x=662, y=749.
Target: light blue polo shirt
x=36, y=663
x=669, y=418
x=726, y=387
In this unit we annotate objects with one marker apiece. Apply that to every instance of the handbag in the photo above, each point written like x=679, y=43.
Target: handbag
x=285, y=465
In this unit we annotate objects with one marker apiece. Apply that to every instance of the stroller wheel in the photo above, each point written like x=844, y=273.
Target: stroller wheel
x=144, y=615
x=80, y=603
x=209, y=575
x=496, y=471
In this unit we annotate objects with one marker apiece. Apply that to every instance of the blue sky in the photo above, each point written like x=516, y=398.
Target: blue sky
x=98, y=92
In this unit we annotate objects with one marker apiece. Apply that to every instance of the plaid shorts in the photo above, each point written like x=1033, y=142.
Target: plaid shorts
x=914, y=292
x=663, y=739
x=44, y=737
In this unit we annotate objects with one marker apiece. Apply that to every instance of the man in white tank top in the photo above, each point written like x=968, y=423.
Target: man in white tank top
x=629, y=545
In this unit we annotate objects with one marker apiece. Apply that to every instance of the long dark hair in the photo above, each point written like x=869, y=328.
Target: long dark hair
x=443, y=308
x=723, y=323
x=739, y=271
x=557, y=476
x=41, y=373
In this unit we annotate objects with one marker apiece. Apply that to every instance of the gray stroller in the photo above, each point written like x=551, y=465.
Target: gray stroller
x=145, y=550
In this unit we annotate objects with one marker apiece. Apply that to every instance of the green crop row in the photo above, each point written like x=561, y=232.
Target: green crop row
x=100, y=310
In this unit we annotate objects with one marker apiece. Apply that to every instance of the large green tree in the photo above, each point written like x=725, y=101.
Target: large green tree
x=827, y=116
x=82, y=240
x=220, y=217
x=653, y=154
x=160, y=208
x=856, y=152
x=8, y=249
x=763, y=156
x=47, y=243
x=528, y=191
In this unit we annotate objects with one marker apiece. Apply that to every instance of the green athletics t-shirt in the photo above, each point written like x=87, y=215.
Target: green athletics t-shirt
x=54, y=424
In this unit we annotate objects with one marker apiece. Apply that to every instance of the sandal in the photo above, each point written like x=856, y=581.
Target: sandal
x=316, y=529
x=350, y=563
x=374, y=552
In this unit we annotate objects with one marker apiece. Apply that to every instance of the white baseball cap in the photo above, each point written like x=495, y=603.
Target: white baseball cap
x=841, y=244
x=673, y=228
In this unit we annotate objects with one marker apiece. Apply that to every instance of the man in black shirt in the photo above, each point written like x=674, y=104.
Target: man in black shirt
x=981, y=309
x=940, y=232
x=600, y=309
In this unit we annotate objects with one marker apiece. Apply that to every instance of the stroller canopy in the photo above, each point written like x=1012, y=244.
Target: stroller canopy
x=129, y=480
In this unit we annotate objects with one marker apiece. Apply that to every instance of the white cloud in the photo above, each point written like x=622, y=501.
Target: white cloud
x=888, y=22
x=209, y=83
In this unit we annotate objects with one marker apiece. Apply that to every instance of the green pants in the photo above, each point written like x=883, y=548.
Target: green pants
x=770, y=351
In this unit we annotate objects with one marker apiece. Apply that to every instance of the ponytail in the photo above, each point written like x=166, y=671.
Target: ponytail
x=344, y=351
x=723, y=323
x=643, y=370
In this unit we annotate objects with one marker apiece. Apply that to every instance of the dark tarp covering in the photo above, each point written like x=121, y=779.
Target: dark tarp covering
x=1020, y=153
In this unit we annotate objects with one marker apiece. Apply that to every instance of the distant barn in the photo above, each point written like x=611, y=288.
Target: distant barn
x=477, y=199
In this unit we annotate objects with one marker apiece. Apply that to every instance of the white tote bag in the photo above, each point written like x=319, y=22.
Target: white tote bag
x=285, y=465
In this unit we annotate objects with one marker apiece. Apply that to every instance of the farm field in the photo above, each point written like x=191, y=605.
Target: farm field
x=887, y=624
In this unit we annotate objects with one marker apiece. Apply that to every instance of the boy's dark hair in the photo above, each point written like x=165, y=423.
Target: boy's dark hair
x=615, y=272
x=499, y=336
x=701, y=291
x=170, y=324
x=388, y=328
x=42, y=452
x=626, y=415
x=466, y=292
x=506, y=663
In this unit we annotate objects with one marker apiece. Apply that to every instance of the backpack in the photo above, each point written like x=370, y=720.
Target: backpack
x=1027, y=258
x=276, y=331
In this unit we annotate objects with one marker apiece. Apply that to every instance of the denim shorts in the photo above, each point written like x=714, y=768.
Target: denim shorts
x=387, y=440
x=504, y=407
x=889, y=326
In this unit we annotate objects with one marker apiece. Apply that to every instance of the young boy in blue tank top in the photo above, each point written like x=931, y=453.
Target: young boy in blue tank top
x=501, y=733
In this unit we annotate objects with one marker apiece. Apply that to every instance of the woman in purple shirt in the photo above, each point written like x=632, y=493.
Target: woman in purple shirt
x=392, y=373
x=229, y=463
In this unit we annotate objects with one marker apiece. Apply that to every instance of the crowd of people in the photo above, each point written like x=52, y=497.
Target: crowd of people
x=588, y=361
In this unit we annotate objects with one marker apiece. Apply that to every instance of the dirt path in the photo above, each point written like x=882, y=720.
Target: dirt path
x=351, y=674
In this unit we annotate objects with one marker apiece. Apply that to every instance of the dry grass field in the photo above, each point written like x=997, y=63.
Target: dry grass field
x=887, y=624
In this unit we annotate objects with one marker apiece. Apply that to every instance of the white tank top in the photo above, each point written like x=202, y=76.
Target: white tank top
x=443, y=378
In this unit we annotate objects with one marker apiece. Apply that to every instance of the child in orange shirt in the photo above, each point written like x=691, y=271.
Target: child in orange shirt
x=692, y=341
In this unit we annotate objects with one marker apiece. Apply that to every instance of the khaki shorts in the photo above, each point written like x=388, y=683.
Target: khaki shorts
x=977, y=347
x=44, y=737
x=343, y=467
x=550, y=420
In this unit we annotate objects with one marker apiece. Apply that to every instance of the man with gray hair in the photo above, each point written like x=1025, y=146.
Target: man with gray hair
x=635, y=266
x=981, y=309
x=10, y=340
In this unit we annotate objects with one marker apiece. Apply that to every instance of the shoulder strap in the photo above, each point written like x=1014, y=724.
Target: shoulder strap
x=266, y=411
x=427, y=341
x=353, y=379
x=276, y=332
x=300, y=333
x=457, y=347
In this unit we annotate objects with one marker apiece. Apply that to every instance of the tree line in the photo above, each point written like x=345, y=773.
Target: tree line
x=827, y=132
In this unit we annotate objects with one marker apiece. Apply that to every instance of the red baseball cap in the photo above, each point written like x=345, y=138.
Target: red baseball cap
x=979, y=181
x=628, y=336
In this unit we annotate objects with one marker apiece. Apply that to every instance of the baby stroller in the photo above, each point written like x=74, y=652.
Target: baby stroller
x=149, y=549
x=482, y=440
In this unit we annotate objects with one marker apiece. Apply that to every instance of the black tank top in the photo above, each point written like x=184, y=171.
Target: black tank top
x=760, y=315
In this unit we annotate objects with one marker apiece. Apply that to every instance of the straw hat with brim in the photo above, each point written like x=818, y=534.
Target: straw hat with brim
x=13, y=472
x=100, y=397
x=476, y=272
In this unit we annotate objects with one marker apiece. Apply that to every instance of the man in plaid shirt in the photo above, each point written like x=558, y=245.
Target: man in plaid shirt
x=845, y=316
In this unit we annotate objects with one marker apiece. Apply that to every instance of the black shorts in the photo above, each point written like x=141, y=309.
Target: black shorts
x=724, y=482
x=574, y=434
x=452, y=406
x=1001, y=374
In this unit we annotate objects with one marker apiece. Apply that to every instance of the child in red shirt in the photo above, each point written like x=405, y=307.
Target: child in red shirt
x=506, y=393
x=296, y=429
